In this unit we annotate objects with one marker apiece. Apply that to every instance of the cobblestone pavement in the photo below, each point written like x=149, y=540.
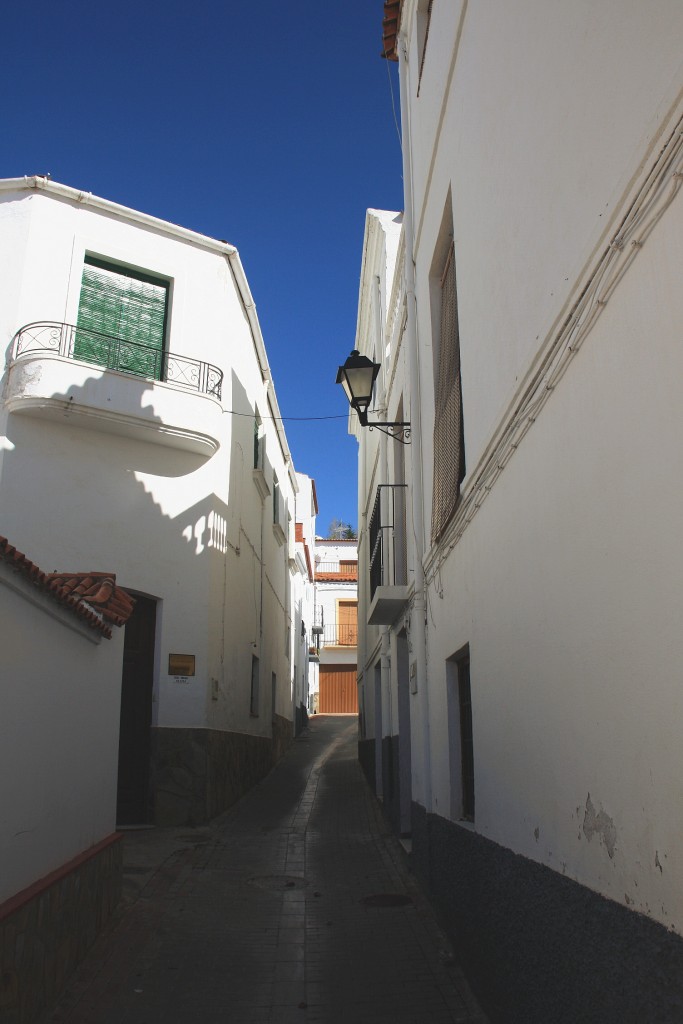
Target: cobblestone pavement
x=294, y=906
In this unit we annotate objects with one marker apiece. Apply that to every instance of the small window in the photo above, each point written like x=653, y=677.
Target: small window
x=121, y=319
x=254, y=697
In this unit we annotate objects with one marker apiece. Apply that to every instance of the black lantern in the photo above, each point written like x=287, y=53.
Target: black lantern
x=357, y=376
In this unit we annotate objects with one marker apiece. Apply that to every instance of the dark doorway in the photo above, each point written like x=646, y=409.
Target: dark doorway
x=132, y=804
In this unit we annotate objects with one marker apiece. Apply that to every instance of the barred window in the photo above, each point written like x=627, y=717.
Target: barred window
x=449, y=442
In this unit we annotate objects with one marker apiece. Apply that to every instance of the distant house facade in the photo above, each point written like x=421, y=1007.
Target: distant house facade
x=140, y=428
x=519, y=665
x=336, y=625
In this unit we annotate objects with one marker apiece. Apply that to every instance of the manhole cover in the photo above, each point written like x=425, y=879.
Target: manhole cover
x=277, y=883
x=386, y=899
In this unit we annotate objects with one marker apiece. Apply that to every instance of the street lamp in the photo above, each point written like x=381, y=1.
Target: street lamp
x=357, y=376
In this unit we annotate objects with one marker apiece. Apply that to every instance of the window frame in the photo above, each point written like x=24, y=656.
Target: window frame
x=110, y=344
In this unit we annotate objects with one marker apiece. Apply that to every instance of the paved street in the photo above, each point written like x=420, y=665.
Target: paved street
x=295, y=906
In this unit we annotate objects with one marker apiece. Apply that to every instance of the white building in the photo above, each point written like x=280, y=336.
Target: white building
x=139, y=429
x=526, y=666
x=336, y=626
x=60, y=854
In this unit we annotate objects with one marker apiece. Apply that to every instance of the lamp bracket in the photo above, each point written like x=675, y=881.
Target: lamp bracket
x=397, y=431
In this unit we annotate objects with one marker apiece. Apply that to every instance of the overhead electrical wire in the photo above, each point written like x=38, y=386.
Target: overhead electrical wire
x=282, y=419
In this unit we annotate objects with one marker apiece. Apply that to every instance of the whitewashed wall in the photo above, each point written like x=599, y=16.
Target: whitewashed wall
x=57, y=776
x=537, y=125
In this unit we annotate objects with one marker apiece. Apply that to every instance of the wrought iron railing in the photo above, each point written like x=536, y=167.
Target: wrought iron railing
x=119, y=354
x=333, y=634
x=338, y=635
x=388, y=565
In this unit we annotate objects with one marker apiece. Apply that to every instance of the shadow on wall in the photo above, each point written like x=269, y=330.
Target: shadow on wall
x=86, y=494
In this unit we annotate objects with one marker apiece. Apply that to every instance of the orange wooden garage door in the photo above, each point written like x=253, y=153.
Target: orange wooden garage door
x=338, y=690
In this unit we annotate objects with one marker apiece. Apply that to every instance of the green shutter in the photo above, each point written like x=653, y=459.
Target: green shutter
x=121, y=320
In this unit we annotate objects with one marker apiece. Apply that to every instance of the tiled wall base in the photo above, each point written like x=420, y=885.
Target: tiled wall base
x=46, y=930
x=539, y=948
x=199, y=773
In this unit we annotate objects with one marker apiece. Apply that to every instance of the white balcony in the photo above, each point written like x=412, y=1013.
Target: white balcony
x=46, y=381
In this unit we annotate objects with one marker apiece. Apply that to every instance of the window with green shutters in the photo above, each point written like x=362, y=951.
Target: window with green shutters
x=121, y=319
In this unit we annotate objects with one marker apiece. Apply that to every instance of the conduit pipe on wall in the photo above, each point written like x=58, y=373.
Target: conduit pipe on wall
x=418, y=625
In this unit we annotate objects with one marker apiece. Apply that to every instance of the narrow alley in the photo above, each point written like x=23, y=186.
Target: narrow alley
x=294, y=906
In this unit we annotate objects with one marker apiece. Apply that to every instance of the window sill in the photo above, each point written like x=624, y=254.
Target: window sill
x=260, y=483
x=279, y=534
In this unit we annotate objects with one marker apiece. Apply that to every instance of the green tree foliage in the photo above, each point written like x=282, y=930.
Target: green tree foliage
x=339, y=530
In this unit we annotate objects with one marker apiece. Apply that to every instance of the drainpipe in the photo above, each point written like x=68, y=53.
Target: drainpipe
x=385, y=655
x=418, y=618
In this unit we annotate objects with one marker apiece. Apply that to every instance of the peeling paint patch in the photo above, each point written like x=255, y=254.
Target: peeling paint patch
x=599, y=823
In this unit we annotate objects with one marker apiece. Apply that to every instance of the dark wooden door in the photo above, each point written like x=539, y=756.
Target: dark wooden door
x=132, y=805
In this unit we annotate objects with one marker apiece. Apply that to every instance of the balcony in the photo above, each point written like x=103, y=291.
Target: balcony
x=336, y=635
x=336, y=572
x=388, y=568
x=64, y=373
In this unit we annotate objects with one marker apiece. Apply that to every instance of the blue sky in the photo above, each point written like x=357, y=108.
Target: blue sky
x=267, y=124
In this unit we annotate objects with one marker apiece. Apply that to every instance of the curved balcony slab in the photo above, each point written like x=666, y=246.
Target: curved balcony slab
x=67, y=391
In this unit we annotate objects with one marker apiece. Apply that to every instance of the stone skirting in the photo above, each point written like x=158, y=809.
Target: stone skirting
x=199, y=773
x=366, y=756
x=46, y=930
x=539, y=948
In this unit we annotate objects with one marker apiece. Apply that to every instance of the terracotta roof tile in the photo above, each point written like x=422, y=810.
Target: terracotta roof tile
x=390, y=27
x=99, y=590
x=91, y=597
x=336, y=577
